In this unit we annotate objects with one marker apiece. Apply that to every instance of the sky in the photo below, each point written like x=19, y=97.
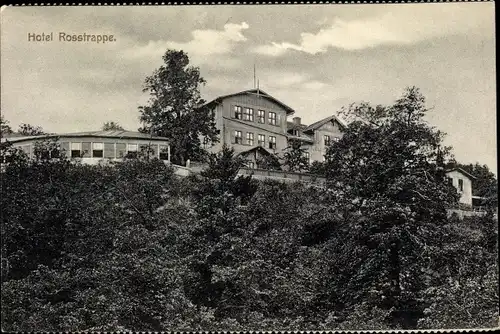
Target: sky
x=315, y=58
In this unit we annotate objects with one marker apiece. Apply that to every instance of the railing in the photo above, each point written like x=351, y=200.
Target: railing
x=257, y=173
x=287, y=176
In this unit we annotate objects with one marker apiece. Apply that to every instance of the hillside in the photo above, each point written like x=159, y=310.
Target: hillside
x=134, y=247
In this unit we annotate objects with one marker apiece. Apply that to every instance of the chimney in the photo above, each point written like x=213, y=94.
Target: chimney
x=296, y=120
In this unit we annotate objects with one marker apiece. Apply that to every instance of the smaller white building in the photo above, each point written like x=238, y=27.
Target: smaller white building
x=462, y=181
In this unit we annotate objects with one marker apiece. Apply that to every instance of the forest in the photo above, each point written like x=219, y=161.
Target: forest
x=134, y=247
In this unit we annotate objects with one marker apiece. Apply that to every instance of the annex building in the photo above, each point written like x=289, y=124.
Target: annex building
x=94, y=147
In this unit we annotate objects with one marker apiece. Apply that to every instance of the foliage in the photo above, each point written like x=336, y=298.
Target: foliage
x=5, y=128
x=219, y=187
x=270, y=162
x=389, y=164
x=295, y=157
x=111, y=126
x=175, y=109
x=30, y=130
x=318, y=168
x=468, y=294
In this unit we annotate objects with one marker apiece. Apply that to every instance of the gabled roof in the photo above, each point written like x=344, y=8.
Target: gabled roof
x=462, y=171
x=259, y=92
x=259, y=149
x=103, y=134
x=294, y=126
x=323, y=121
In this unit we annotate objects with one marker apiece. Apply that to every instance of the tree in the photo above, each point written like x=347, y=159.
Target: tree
x=175, y=109
x=295, y=157
x=219, y=188
x=318, y=168
x=111, y=126
x=111, y=248
x=5, y=128
x=30, y=130
x=388, y=166
x=270, y=162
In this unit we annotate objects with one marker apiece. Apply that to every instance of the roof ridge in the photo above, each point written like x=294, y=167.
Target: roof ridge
x=289, y=110
x=319, y=123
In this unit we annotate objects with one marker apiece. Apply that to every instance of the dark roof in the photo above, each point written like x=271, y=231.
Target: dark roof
x=323, y=121
x=260, y=149
x=458, y=169
x=293, y=126
x=259, y=92
x=303, y=136
x=103, y=134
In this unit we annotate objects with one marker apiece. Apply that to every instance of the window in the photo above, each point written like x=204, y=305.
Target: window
x=261, y=116
x=272, y=118
x=153, y=149
x=460, y=184
x=121, y=150
x=97, y=150
x=306, y=155
x=335, y=139
x=272, y=142
x=132, y=151
x=76, y=150
x=296, y=133
x=86, y=147
x=65, y=148
x=238, y=112
x=248, y=114
x=238, y=138
x=146, y=151
x=109, y=150
x=326, y=139
x=163, y=152
x=251, y=164
x=250, y=138
x=27, y=150
x=261, y=140
x=450, y=181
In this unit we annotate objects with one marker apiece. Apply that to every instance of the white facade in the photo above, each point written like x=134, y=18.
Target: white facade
x=463, y=183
